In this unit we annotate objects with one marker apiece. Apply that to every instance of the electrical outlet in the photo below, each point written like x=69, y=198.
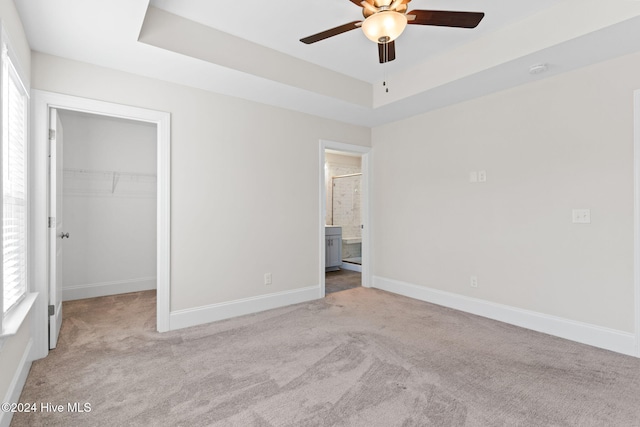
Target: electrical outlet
x=474, y=281
x=267, y=279
x=482, y=176
x=581, y=216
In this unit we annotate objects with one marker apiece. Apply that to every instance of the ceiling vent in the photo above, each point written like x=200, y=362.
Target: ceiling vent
x=538, y=69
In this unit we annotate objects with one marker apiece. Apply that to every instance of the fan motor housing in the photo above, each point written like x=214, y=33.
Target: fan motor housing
x=383, y=5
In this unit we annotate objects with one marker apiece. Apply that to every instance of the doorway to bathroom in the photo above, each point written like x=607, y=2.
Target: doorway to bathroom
x=344, y=216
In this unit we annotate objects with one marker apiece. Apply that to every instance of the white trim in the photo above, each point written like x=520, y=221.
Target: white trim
x=322, y=189
x=214, y=312
x=365, y=166
x=351, y=267
x=17, y=384
x=41, y=103
x=14, y=318
x=636, y=217
x=93, y=290
x=163, y=261
x=597, y=336
x=366, y=266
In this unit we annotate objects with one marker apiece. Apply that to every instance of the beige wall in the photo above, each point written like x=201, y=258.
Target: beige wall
x=11, y=355
x=236, y=211
x=547, y=147
x=13, y=27
x=561, y=143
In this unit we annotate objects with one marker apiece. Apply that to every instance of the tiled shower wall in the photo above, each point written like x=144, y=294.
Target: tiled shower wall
x=346, y=212
x=344, y=200
x=346, y=205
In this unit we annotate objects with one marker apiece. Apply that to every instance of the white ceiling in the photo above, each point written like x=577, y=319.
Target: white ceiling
x=280, y=24
x=251, y=49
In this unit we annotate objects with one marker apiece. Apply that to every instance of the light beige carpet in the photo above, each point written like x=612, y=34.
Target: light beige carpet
x=361, y=357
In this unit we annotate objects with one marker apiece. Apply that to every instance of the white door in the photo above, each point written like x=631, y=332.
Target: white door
x=56, y=235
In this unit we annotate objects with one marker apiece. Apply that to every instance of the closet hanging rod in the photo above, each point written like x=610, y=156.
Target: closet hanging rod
x=106, y=172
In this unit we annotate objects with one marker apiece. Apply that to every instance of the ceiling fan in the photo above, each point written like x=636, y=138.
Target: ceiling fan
x=385, y=20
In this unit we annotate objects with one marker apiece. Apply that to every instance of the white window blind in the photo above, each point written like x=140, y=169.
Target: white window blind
x=14, y=195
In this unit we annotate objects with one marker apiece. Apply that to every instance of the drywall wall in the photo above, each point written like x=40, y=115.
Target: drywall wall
x=11, y=356
x=14, y=30
x=14, y=348
x=109, y=205
x=547, y=147
x=235, y=211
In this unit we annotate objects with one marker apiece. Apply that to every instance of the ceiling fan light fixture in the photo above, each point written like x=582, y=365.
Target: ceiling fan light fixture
x=384, y=26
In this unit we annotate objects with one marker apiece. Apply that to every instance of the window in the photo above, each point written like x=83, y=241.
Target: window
x=14, y=189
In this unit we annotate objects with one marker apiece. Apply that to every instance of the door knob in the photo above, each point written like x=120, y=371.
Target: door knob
x=63, y=235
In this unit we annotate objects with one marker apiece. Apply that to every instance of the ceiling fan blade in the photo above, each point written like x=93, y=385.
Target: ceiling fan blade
x=356, y=2
x=332, y=32
x=387, y=51
x=445, y=18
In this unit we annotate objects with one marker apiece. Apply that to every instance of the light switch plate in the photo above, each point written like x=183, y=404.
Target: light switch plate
x=581, y=216
x=473, y=176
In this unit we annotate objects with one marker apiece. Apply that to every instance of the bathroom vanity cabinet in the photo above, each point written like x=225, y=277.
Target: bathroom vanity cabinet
x=333, y=247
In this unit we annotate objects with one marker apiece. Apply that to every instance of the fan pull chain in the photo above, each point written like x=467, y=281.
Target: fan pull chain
x=385, y=55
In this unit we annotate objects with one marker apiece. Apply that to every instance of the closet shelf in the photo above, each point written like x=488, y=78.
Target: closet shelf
x=85, y=182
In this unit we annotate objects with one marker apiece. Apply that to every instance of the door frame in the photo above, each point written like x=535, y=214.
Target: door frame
x=42, y=101
x=365, y=192
x=54, y=245
x=636, y=218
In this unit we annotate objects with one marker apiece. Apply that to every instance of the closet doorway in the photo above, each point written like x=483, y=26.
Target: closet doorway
x=102, y=191
x=109, y=205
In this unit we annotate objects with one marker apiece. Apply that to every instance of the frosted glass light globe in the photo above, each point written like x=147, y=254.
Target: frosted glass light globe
x=385, y=26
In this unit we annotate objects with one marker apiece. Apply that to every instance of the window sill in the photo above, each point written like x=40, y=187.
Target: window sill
x=14, y=319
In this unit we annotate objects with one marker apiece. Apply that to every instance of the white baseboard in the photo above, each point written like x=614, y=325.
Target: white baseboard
x=350, y=266
x=17, y=384
x=210, y=313
x=597, y=336
x=92, y=290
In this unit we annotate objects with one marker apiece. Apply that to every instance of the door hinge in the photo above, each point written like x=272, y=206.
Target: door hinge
x=52, y=222
x=52, y=134
x=52, y=310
